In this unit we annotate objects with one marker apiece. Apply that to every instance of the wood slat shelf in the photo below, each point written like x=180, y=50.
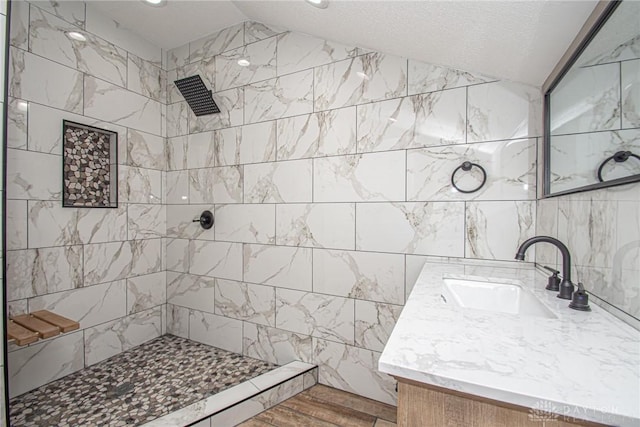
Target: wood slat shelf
x=28, y=328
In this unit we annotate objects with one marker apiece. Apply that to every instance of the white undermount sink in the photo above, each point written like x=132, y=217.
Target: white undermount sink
x=494, y=296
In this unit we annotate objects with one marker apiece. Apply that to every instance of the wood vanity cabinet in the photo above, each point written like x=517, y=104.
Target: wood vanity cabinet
x=422, y=405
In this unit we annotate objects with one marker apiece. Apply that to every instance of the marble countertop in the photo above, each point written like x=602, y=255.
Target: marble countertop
x=582, y=364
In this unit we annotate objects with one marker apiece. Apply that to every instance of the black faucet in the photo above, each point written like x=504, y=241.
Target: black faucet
x=566, y=287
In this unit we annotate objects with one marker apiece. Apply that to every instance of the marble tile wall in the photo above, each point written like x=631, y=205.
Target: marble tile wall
x=329, y=171
x=102, y=267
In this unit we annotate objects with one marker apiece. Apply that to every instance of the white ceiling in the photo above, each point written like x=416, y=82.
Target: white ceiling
x=519, y=40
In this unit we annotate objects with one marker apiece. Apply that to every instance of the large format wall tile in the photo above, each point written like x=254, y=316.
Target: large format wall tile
x=145, y=150
x=106, y=262
x=72, y=11
x=374, y=323
x=315, y=135
x=298, y=52
x=256, y=31
x=254, y=143
x=322, y=225
x=17, y=123
x=38, y=364
x=176, y=252
x=425, y=77
x=187, y=290
x=216, y=259
x=109, y=339
x=146, y=78
x=29, y=175
x=37, y=79
x=138, y=185
x=180, y=222
x=52, y=225
x=279, y=266
x=42, y=271
x=630, y=83
x=437, y=118
x=284, y=96
x=363, y=177
x=275, y=345
x=510, y=167
x=321, y=316
x=231, y=112
x=588, y=248
x=502, y=110
x=262, y=57
x=217, y=331
x=495, y=230
x=146, y=221
x=95, y=56
x=199, y=151
x=353, y=369
x=362, y=275
x=366, y=78
x=45, y=129
x=283, y=182
x=433, y=228
x=90, y=306
x=216, y=185
x=222, y=41
x=145, y=292
x=245, y=301
x=108, y=102
x=245, y=223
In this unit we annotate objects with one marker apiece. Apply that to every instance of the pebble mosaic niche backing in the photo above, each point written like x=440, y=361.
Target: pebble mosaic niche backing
x=89, y=163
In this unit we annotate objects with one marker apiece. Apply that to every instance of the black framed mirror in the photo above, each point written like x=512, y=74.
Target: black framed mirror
x=592, y=105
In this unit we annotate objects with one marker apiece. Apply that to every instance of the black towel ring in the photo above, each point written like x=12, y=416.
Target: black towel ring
x=619, y=157
x=466, y=166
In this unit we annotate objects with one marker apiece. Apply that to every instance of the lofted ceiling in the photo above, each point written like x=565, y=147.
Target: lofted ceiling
x=518, y=40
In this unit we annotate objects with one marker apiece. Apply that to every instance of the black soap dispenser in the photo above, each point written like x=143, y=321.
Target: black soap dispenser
x=580, y=299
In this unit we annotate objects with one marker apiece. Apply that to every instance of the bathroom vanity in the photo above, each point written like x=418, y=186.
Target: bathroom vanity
x=484, y=344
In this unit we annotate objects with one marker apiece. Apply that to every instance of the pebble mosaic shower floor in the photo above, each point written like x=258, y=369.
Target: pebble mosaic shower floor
x=137, y=386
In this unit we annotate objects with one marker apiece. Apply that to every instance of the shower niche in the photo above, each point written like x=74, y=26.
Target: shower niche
x=90, y=166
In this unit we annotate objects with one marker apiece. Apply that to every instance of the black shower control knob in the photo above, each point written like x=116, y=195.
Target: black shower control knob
x=205, y=220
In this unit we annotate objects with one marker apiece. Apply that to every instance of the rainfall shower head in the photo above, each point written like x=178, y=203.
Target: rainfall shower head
x=197, y=95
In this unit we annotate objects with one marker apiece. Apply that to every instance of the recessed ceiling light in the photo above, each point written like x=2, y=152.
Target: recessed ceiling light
x=243, y=62
x=75, y=35
x=155, y=2
x=321, y=4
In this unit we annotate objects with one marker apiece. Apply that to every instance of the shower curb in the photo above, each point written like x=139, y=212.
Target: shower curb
x=243, y=401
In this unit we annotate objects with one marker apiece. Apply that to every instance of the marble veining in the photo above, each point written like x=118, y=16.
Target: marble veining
x=319, y=134
x=95, y=56
x=275, y=345
x=436, y=118
x=425, y=77
x=256, y=31
x=284, y=96
x=528, y=362
x=365, y=78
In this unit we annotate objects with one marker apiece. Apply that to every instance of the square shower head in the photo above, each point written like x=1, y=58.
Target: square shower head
x=197, y=95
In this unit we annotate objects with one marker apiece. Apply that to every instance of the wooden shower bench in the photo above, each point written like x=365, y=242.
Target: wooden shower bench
x=28, y=328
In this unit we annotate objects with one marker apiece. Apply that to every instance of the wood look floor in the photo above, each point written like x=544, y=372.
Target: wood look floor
x=322, y=406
